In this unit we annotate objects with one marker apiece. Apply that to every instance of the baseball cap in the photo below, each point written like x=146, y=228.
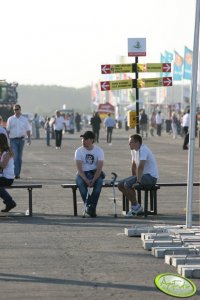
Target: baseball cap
x=88, y=135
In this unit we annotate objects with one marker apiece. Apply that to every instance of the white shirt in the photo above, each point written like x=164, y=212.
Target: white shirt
x=17, y=127
x=186, y=120
x=8, y=171
x=150, y=166
x=59, y=123
x=89, y=158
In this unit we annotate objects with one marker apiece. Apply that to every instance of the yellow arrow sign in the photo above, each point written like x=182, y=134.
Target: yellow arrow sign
x=154, y=82
x=154, y=67
x=121, y=84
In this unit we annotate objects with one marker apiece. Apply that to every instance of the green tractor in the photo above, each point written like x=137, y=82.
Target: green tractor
x=8, y=97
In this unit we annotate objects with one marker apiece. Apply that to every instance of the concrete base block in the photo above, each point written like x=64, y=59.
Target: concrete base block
x=160, y=252
x=189, y=271
x=148, y=244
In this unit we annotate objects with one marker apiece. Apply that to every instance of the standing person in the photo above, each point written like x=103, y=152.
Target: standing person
x=144, y=172
x=174, y=124
x=36, y=122
x=47, y=128
x=18, y=128
x=185, y=124
x=153, y=123
x=159, y=123
x=78, y=122
x=89, y=160
x=109, y=123
x=96, y=125
x=6, y=172
x=143, y=123
x=59, y=124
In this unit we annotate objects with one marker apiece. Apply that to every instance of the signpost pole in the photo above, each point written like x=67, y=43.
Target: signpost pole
x=137, y=99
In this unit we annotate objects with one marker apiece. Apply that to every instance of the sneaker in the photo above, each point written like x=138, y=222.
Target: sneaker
x=91, y=211
x=130, y=213
x=137, y=209
x=9, y=207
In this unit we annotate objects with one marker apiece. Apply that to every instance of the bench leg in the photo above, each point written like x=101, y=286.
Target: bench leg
x=30, y=202
x=125, y=204
x=145, y=204
x=155, y=202
x=74, y=201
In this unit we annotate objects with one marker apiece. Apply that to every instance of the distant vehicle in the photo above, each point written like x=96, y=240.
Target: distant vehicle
x=8, y=97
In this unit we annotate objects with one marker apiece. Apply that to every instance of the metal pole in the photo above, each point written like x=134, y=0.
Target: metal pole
x=193, y=117
x=137, y=99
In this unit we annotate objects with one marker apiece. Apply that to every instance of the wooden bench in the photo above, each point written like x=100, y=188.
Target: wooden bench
x=125, y=203
x=29, y=188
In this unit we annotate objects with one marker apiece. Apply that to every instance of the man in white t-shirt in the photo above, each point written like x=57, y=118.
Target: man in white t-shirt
x=144, y=172
x=89, y=160
x=59, y=125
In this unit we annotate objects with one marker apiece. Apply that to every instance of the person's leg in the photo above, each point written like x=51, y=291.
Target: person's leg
x=82, y=187
x=111, y=130
x=20, y=153
x=7, y=199
x=60, y=138
x=125, y=186
x=96, y=192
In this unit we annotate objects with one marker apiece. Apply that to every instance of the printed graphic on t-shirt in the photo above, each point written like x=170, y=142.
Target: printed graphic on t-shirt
x=89, y=159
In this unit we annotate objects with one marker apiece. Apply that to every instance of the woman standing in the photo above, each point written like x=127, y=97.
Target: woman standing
x=6, y=172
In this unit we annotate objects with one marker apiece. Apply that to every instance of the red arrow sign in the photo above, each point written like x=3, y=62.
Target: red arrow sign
x=105, y=69
x=105, y=85
x=167, y=81
x=166, y=67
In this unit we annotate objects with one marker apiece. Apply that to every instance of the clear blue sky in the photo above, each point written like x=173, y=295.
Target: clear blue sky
x=65, y=42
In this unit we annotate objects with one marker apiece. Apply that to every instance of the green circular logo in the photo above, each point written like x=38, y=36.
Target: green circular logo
x=175, y=285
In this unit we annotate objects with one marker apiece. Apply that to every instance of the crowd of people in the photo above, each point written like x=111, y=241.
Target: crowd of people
x=89, y=158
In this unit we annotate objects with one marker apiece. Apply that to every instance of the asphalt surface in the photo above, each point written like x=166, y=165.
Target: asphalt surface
x=54, y=255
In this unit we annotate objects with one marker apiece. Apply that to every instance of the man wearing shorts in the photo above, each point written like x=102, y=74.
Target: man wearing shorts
x=144, y=172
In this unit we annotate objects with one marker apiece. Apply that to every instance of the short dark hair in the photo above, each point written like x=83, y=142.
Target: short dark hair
x=136, y=137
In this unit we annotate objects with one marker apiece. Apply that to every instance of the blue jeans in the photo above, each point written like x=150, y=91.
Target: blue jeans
x=17, y=146
x=83, y=188
x=7, y=199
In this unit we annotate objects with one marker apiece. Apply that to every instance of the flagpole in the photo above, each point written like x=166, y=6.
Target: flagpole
x=193, y=117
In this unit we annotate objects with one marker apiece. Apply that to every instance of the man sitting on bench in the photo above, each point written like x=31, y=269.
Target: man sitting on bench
x=144, y=172
x=89, y=162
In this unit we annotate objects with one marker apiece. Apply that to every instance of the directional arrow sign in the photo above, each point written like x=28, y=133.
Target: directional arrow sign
x=122, y=68
x=154, y=82
x=116, y=85
x=131, y=68
x=155, y=67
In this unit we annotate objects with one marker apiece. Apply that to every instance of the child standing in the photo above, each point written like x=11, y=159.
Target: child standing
x=47, y=127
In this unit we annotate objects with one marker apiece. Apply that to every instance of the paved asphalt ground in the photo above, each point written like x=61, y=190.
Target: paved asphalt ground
x=54, y=255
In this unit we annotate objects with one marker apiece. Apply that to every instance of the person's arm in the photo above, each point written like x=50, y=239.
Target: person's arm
x=140, y=170
x=5, y=160
x=80, y=172
x=134, y=168
x=98, y=172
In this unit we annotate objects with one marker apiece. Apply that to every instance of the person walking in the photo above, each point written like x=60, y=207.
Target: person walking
x=109, y=123
x=47, y=128
x=96, y=125
x=18, y=129
x=144, y=172
x=185, y=124
x=89, y=160
x=174, y=125
x=59, y=124
x=144, y=123
x=159, y=123
x=6, y=172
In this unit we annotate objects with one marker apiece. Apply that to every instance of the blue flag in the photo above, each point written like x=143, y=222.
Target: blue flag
x=178, y=67
x=187, y=74
x=168, y=56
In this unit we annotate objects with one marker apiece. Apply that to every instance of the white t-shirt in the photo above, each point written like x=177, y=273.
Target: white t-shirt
x=89, y=158
x=150, y=166
x=59, y=123
x=8, y=171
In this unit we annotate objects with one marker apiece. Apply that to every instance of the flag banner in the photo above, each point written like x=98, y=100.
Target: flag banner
x=178, y=67
x=168, y=56
x=187, y=73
